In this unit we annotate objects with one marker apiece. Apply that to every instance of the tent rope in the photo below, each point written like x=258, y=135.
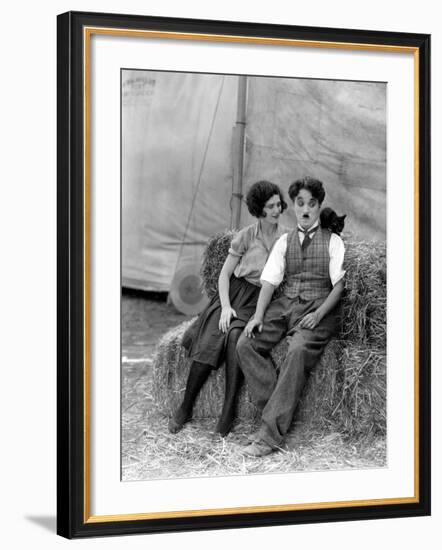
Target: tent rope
x=192, y=206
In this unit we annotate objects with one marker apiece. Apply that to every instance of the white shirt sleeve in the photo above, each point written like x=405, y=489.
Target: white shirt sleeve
x=336, y=251
x=274, y=269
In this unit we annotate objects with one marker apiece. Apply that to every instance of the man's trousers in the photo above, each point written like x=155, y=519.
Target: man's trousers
x=277, y=394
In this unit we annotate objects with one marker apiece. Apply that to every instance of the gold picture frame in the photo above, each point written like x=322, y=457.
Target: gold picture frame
x=75, y=32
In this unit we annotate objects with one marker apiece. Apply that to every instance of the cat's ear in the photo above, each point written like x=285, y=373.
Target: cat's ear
x=343, y=217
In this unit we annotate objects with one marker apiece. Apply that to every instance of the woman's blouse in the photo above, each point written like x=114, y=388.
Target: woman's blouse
x=248, y=244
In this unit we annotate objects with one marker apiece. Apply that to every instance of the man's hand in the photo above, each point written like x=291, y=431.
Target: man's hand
x=309, y=321
x=252, y=326
x=226, y=316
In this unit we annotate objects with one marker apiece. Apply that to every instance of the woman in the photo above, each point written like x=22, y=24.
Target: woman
x=212, y=339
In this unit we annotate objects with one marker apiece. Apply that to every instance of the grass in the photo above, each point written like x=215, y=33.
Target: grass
x=151, y=452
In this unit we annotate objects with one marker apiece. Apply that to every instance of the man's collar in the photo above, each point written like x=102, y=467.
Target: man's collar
x=314, y=226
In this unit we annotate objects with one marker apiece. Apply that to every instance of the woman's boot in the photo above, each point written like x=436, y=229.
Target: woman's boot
x=199, y=372
x=234, y=378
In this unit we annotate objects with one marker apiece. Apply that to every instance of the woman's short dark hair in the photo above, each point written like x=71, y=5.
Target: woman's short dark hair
x=314, y=186
x=259, y=193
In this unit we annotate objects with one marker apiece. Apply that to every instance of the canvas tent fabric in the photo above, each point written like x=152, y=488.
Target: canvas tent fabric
x=176, y=171
x=332, y=130
x=177, y=159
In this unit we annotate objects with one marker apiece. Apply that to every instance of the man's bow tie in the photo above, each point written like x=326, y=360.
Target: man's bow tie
x=307, y=231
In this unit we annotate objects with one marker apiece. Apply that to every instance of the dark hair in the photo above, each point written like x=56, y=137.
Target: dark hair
x=259, y=193
x=314, y=186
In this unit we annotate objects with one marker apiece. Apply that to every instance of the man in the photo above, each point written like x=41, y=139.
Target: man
x=311, y=259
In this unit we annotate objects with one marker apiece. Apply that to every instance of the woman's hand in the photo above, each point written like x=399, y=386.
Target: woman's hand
x=310, y=320
x=226, y=316
x=252, y=326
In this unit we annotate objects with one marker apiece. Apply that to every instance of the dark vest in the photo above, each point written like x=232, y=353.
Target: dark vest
x=308, y=272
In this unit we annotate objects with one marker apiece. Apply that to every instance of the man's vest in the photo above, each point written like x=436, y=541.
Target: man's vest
x=307, y=271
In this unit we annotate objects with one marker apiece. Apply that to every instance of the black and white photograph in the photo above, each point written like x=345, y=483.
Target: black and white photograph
x=253, y=275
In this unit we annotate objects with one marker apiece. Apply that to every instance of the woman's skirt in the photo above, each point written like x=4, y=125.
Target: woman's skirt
x=203, y=340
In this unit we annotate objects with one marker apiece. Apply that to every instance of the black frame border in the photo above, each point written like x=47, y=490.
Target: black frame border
x=70, y=275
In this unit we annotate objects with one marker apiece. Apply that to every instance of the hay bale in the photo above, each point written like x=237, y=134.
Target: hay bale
x=364, y=304
x=362, y=398
x=171, y=369
x=346, y=392
x=213, y=260
x=170, y=372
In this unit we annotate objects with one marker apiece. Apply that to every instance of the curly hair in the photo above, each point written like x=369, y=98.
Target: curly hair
x=259, y=193
x=313, y=185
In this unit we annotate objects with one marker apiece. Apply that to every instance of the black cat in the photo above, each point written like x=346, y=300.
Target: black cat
x=331, y=221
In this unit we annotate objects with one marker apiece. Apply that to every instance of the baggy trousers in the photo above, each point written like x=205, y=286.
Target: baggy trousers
x=277, y=395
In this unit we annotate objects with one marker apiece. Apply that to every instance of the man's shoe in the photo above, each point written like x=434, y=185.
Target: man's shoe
x=258, y=449
x=255, y=437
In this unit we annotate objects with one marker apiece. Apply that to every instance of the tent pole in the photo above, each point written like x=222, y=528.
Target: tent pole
x=238, y=153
